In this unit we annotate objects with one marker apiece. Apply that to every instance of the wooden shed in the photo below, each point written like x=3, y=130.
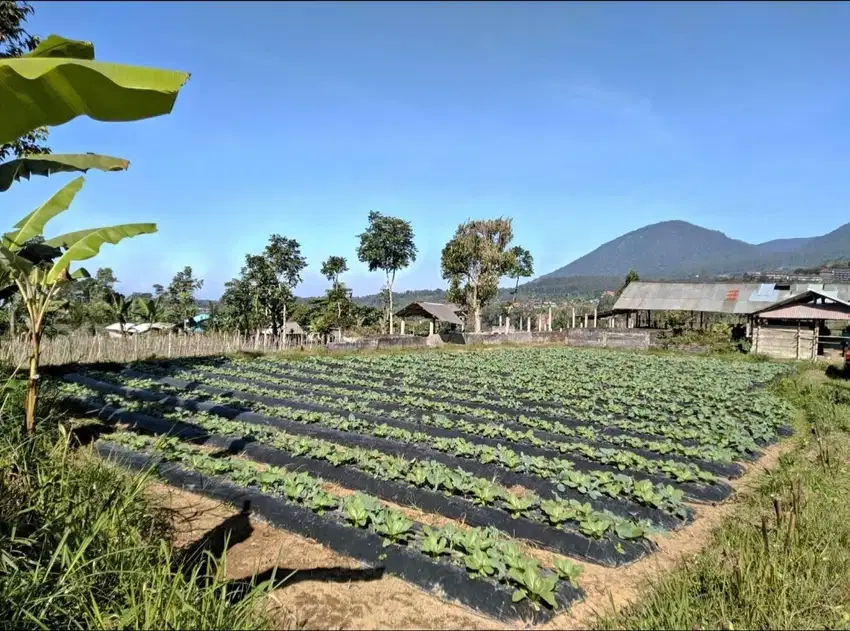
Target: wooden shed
x=792, y=328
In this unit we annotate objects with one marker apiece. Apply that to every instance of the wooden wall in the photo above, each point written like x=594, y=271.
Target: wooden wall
x=785, y=341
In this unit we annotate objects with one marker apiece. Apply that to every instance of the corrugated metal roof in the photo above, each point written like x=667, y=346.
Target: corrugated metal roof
x=712, y=297
x=806, y=297
x=438, y=310
x=808, y=312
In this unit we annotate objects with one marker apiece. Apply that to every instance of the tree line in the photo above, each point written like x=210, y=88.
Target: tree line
x=473, y=262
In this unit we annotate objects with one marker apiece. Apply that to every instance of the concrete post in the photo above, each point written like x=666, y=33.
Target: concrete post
x=585, y=320
x=594, y=317
x=549, y=325
x=500, y=322
x=574, y=317
x=430, y=327
x=520, y=324
x=402, y=326
x=528, y=324
x=508, y=324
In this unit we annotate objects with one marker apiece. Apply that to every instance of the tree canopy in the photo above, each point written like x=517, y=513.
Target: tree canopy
x=475, y=259
x=387, y=245
x=522, y=265
x=180, y=295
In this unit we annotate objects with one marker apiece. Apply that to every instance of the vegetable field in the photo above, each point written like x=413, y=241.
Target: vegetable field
x=540, y=460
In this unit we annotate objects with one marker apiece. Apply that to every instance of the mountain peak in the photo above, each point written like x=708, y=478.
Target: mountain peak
x=678, y=249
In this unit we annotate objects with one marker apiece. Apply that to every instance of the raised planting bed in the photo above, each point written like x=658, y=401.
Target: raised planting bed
x=195, y=379
x=620, y=506
x=619, y=422
x=447, y=575
x=716, y=491
x=609, y=550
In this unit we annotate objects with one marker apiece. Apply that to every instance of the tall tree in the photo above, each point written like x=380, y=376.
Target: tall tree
x=103, y=283
x=521, y=267
x=387, y=244
x=332, y=269
x=15, y=41
x=474, y=260
x=286, y=263
x=238, y=307
x=158, y=290
x=262, y=293
x=180, y=295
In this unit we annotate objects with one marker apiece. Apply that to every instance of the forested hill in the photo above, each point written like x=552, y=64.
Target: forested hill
x=678, y=249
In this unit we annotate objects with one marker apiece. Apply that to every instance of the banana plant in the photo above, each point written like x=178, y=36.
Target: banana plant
x=52, y=85
x=149, y=309
x=39, y=282
x=120, y=307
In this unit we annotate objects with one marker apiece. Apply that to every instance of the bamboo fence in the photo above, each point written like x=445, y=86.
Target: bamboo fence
x=86, y=348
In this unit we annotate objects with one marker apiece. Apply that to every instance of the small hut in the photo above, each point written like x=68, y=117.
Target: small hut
x=434, y=312
x=291, y=331
x=795, y=328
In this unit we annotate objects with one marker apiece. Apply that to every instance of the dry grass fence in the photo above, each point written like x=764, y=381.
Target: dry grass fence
x=86, y=348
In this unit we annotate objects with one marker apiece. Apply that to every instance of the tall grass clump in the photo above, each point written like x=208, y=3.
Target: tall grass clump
x=783, y=560
x=83, y=546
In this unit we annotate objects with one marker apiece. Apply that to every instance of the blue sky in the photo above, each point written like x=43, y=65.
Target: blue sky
x=581, y=121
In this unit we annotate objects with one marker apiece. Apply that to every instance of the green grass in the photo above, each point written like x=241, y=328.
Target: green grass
x=83, y=546
x=783, y=560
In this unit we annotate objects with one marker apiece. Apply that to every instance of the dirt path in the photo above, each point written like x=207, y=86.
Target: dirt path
x=330, y=591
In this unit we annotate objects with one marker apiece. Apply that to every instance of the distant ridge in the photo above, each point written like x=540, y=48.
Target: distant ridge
x=678, y=249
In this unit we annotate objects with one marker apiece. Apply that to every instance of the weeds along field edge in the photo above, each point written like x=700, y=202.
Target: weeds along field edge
x=84, y=545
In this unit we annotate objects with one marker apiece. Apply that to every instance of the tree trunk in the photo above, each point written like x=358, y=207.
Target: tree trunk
x=390, y=281
x=476, y=309
x=32, y=383
x=12, y=317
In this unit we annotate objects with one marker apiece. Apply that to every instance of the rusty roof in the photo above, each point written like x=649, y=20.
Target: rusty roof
x=438, y=310
x=733, y=298
x=807, y=312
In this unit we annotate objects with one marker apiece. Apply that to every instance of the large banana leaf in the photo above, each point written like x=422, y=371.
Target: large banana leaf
x=11, y=262
x=90, y=242
x=47, y=164
x=65, y=240
x=58, y=46
x=33, y=224
x=39, y=91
